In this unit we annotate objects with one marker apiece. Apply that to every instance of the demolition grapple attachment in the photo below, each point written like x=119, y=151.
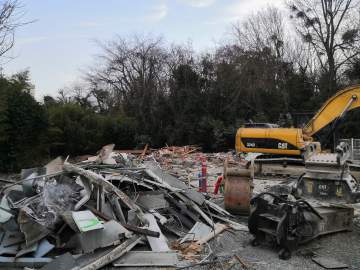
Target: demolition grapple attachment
x=289, y=223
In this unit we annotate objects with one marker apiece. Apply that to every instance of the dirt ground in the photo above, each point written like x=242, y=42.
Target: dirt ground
x=343, y=246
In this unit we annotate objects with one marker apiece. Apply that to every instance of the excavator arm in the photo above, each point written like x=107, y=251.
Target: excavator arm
x=334, y=108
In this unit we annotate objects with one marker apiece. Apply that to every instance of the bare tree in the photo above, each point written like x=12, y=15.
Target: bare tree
x=104, y=100
x=11, y=15
x=331, y=27
x=263, y=36
x=63, y=96
x=77, y=93
x=180, y=55
x=132, y=73
x=264, y=29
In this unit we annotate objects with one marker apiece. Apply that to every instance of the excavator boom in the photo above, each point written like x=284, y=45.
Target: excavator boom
x=336, y=106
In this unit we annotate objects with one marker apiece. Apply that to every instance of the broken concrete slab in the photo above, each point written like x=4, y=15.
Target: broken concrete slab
x=234, y=225
x=112, y=255
x=12, y=238
x=105, y=155
x=107, y=209
x=198, y=231
x=217, y=208
x=15, y=197
x=329, y=263
x=12, y=250
x=32, y=230
x=85, y=193
x=156, y=244
x=152, y=200
x=160, y=217
x=5, y=212
x=29, y=176
x=12, y=262
x=26, y=249
x=86, y=242
x=64, y=262
x=69, y=220
x=128, y=180
x=54, y=166
x=117, y=210
x=147, y=259
x=182, y=207
x=44, y=248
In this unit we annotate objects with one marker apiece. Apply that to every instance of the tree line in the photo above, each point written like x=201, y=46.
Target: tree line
x=276, y=68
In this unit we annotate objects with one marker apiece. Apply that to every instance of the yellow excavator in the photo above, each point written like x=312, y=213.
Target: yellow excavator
x=279, y=145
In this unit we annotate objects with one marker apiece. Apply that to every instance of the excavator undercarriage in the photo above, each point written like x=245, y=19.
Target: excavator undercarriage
x=276, y=166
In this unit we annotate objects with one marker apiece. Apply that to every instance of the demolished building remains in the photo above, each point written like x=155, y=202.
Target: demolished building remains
x=139, y=209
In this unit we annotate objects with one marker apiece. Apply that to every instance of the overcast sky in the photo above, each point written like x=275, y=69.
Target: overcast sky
x=60, y=43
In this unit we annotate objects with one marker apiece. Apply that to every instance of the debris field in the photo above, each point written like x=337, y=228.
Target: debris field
x=144, y=210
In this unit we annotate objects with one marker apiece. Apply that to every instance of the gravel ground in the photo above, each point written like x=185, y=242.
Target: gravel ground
x=343, y=247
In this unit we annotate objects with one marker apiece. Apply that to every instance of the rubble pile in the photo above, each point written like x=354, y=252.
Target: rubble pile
x=186, y=164
x=112, y=209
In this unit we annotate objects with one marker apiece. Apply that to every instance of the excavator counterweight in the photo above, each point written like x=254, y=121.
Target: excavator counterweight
x=276, y=141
